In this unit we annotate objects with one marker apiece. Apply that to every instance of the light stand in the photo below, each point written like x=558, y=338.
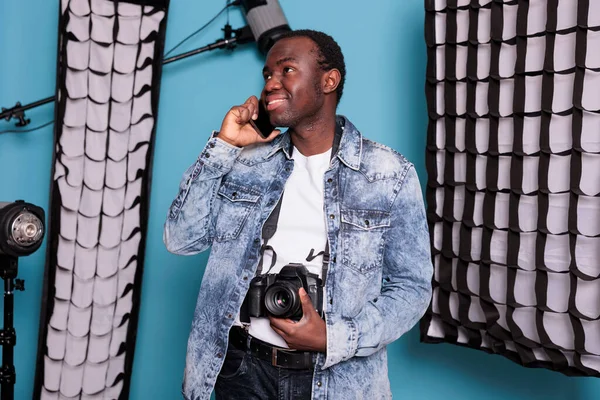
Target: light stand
x=8, y=336
x=21, y=233
x=232, y=38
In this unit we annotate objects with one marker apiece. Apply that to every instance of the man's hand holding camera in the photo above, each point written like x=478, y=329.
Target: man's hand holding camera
x=235, y=128
x=309, y=333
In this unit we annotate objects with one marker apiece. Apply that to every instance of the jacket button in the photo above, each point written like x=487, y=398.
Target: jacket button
x=220, y=355
x=366, y=222
x=206, y=155
x=245, y=278
x=329, y=180
x=331, y=216
x=319, y=383
x=229, y=315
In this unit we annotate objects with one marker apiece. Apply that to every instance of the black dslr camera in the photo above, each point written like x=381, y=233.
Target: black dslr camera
x=277, y=294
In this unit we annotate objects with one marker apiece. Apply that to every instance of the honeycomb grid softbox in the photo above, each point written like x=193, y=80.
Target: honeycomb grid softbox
x=108, y=75
x=513, y=162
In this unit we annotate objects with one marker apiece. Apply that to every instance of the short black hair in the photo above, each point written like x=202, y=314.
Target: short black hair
x=330, y=53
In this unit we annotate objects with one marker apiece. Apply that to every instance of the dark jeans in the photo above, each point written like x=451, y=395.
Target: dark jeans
x=244, y=376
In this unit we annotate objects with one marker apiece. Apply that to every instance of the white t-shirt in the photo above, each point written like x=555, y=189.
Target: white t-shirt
x=301, y=227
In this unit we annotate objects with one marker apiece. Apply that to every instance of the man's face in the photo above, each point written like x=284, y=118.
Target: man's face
x=292, y=90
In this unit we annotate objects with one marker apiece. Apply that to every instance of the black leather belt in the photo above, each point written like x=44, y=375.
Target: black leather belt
x=277, y=356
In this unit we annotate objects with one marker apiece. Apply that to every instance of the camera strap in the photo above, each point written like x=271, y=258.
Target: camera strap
x=270, y=226
x=269, y=229
x=325, y=266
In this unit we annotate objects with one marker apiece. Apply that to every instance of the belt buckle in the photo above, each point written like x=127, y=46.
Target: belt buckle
x=274, y=357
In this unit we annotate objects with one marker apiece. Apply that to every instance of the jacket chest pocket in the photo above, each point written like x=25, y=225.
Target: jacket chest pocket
x=363, y=238
x=237, y=201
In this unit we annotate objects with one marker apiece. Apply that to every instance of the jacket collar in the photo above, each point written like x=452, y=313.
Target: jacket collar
x=350, y=148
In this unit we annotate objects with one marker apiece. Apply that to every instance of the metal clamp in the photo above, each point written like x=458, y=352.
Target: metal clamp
x=8, y=337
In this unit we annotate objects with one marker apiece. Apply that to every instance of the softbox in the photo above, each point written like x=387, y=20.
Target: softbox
x=513, y=162
x=108, y=76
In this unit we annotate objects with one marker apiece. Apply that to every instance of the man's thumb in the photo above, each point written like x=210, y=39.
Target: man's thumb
x=305, y=300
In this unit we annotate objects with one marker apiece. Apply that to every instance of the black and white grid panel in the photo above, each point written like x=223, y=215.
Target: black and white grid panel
x=109, y=69
x=513, y=160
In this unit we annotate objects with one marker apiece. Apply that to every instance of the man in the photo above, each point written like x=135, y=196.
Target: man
x=347, y=208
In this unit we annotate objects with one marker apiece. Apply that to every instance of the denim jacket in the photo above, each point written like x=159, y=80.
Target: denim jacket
x=379, y=280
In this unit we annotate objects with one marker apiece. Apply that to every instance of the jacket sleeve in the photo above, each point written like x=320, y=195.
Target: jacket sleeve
x=406, y=285
x=189, y=228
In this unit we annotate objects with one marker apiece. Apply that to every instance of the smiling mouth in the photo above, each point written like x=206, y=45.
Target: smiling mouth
x=273, y=104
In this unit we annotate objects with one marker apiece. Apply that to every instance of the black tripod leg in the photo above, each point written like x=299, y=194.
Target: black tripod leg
x=8, y=271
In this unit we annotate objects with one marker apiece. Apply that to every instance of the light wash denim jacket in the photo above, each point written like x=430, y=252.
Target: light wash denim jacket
x=379, y=280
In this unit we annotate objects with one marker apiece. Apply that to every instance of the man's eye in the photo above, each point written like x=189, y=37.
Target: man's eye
x=266, y=77
x=288, y=69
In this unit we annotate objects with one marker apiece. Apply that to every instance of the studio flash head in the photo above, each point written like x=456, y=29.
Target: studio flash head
x=267, y=22
x=21, y=233
x=22, y=228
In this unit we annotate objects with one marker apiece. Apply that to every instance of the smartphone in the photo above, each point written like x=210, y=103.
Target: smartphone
x=262, y=124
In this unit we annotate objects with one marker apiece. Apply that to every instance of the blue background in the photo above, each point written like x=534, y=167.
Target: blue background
x=383, y=43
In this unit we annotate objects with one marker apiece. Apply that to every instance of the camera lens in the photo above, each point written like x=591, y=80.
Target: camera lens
x=281, y=300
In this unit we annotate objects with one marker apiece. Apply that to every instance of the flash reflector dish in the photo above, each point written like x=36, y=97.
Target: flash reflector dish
x=21, y=228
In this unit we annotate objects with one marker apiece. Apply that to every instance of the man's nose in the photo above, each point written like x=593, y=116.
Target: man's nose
x=272, y=84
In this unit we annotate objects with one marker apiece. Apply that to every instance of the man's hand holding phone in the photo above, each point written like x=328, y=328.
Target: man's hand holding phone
x=237, y=128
